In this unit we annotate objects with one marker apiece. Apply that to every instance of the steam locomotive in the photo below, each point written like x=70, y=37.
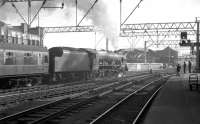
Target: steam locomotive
x=79, y=63
x=22, y=65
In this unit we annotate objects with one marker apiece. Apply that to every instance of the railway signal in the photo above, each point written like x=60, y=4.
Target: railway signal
x=184, y=40
x=183, y=35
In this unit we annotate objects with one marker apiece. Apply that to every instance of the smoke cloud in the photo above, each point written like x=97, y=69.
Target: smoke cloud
x=98, y=15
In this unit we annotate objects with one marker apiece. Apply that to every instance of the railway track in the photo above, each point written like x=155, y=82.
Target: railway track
x=46, y=111
x=51, y=91
x=130, y=109
x=55, y=109
x=41, y=87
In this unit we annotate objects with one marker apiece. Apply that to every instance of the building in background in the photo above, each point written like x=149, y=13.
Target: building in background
x=166, y=56
x=21, y=35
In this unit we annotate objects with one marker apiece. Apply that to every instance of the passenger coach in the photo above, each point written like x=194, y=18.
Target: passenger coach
x=22, y=64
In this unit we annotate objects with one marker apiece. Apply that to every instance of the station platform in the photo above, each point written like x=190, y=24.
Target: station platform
x=175, y=104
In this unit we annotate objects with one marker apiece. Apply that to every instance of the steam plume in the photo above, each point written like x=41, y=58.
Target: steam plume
x=99, y=14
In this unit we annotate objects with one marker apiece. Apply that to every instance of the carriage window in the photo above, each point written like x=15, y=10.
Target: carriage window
x=28, y=60
x=9, y=54
x=1, y=37
x=27, y=54
x=9, y=58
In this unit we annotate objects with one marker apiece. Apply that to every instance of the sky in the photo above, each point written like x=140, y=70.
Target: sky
x=106, y=14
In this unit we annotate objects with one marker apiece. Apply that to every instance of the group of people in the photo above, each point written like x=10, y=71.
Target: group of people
x=178, y=68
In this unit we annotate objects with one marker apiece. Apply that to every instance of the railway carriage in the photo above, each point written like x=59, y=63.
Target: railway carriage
x=22, y=64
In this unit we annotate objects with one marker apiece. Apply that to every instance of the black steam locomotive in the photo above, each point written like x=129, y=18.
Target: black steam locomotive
x=78, y=63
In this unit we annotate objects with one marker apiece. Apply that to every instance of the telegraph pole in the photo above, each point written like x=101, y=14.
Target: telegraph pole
x=197, y=47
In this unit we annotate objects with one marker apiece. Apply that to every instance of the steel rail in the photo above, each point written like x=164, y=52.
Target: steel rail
x=89, y=100
x=146, y=104
x=35, y=109
x=120, y=102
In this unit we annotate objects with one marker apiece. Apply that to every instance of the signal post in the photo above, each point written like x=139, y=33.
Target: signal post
x=187, y=43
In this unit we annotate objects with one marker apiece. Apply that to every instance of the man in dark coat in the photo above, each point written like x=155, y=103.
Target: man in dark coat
x=184, y=67
x=189, y=66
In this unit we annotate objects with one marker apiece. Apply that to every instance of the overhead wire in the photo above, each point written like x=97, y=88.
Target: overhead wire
x=13, y=5
x=43, y=3
x=137, y=6
x=88, y=11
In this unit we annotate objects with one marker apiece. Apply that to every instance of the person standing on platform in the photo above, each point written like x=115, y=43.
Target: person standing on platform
x=189, y=66
x=184, y=67
x=178, y=68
